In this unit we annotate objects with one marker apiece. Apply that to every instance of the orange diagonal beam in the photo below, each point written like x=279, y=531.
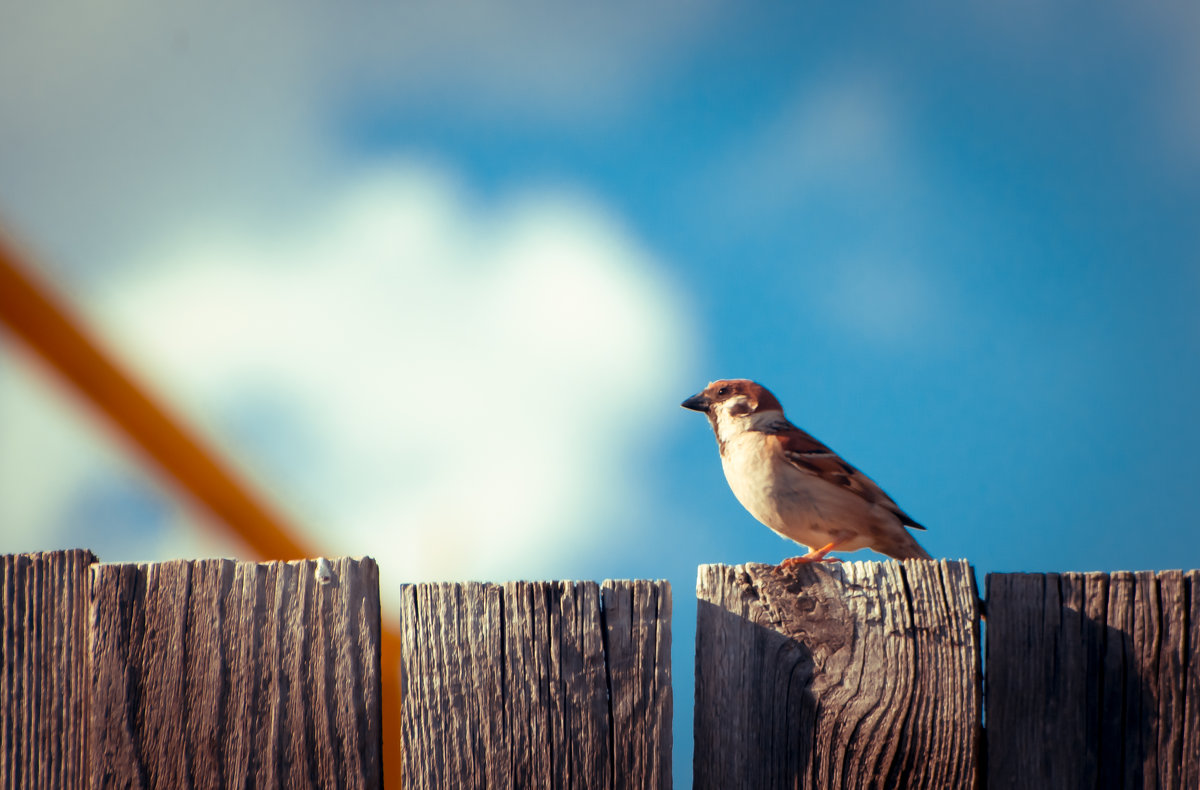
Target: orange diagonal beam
x=44, y=323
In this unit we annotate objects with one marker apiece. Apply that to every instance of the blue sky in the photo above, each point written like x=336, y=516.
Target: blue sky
x=439, y=276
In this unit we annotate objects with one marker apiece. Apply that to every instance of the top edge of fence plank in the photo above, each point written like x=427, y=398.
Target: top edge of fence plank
x=362, y=558
x=1121, y=573
x=489, y=583
x=53, y=553
x=844, y=562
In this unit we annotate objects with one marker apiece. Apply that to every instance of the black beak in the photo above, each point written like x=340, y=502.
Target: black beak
x=696, y=403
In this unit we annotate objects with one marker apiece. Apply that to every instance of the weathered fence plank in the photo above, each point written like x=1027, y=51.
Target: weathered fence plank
x=43, y=674
x=213, y=673
x=837, y=676
x=537, y=684
x=1093, y=680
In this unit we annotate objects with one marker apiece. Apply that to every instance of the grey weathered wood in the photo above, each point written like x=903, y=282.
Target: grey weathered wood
x=213, y=673
x=837, y=676
x=1092, y=680
x=43, y=689
x=637, y=627
x=537, y=684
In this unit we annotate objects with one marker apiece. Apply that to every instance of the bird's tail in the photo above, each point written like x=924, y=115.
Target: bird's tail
x=904, y=547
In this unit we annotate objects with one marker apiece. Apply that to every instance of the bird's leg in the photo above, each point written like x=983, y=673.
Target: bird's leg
x=815, y=555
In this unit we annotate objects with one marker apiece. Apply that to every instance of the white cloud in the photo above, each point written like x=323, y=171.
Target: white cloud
x=458, y=391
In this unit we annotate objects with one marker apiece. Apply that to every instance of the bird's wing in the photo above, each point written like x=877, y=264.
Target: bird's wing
x=808, y=455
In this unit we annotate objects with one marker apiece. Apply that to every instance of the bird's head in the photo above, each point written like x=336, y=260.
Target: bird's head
x=733, y=404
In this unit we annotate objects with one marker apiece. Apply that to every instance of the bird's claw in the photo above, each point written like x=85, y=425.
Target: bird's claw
x=816, y=555
x=792, y=562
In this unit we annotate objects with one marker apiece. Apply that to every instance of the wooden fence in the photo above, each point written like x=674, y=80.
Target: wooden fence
x=214, y=673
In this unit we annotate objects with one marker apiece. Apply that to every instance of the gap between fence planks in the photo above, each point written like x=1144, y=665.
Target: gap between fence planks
x=1094, y=680
x=537, y=684
x=832, y=676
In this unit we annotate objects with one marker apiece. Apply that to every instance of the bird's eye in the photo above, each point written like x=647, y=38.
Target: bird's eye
x=722, y=392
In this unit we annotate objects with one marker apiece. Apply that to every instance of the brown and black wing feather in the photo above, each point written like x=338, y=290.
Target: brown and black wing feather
x=808, y=455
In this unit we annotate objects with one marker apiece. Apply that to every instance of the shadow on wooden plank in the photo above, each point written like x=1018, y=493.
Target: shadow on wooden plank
x=1089, y=681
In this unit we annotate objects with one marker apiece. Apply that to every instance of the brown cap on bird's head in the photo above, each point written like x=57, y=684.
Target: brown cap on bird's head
x=757, y=396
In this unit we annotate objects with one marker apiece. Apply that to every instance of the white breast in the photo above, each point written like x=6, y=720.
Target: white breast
x=794, y=504
x=750, y=469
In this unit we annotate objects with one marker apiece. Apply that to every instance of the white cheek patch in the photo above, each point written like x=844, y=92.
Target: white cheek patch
x=739, y=406
x=728, y=421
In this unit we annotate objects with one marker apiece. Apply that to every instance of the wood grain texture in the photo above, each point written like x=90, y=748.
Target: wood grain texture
x=1092, y=679
x=837, y=676
x=43, y=688
x=537, y=684
x=215, y=673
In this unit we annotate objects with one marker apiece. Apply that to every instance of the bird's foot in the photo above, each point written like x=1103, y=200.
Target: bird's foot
x=816, y=555
x=792, y=562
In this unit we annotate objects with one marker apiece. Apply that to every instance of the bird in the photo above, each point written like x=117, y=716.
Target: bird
x=796, y=485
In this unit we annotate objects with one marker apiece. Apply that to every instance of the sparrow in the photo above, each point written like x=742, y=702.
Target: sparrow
x=794, y=484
